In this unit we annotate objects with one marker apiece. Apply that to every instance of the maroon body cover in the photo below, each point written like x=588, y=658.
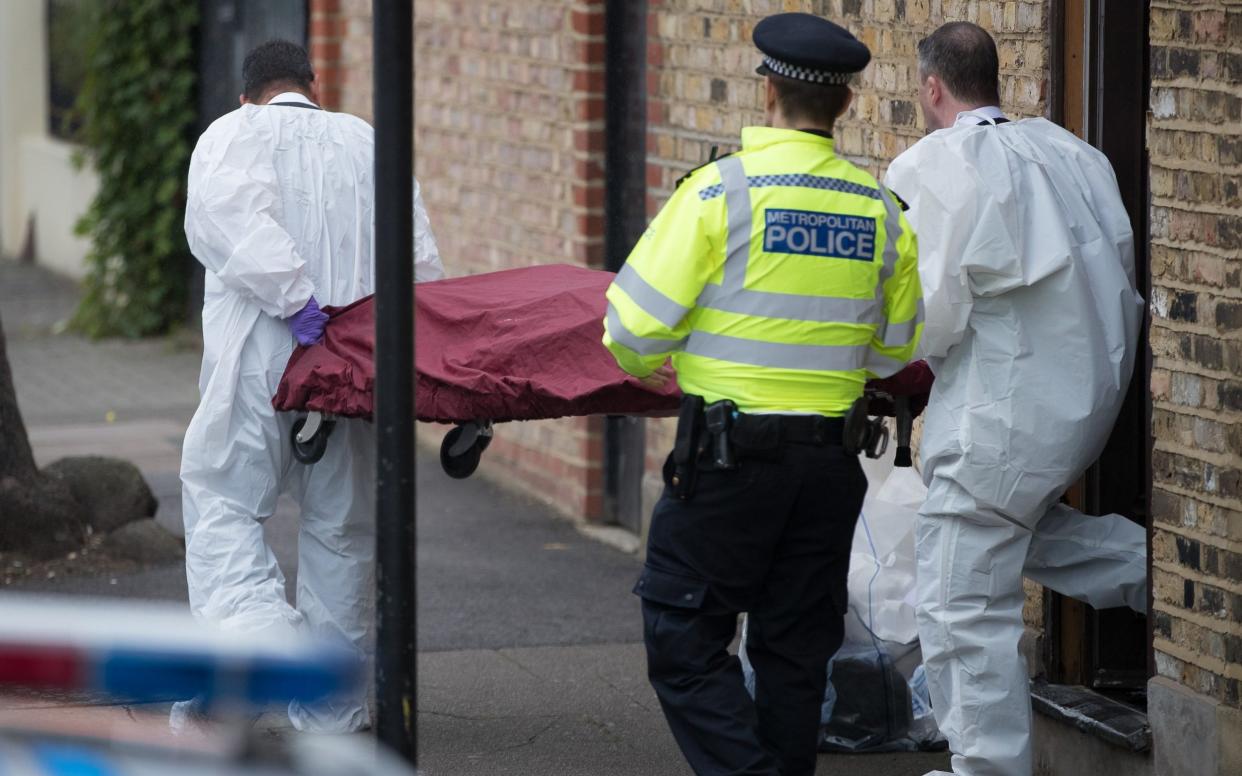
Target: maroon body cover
x=522, y=344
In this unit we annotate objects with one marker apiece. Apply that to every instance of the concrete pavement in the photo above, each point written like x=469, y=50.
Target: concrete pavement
x=530, y=644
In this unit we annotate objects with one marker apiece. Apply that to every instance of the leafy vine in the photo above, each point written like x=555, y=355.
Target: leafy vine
x=137, y=108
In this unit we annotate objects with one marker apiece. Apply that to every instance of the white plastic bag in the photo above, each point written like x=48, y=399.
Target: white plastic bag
x=877, y=699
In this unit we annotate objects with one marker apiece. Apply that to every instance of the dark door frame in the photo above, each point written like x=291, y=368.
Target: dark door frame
x=1106, y=43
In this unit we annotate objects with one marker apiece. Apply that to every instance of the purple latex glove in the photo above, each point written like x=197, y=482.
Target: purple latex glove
x=307, y=324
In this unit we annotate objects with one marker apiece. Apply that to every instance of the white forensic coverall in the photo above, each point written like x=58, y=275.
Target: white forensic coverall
x=1027, y=262
x=280, y=207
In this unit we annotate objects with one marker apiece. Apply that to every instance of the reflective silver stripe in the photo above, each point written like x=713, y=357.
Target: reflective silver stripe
x=737, y=202
x=898, y=334
x=778, y=355
x=768, y=304
x=892, y=233
x=644, y=346
x=881, y=365
x=653, y=301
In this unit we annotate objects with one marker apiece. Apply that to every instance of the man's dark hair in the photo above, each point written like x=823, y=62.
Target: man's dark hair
x=963, y=56
x=809, y=103
x=276, y=63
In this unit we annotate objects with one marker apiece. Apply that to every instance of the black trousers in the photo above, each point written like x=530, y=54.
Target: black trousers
x=771, y=538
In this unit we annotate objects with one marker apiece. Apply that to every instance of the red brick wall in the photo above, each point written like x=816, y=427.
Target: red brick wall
x=1196, y=262
x=510, y=142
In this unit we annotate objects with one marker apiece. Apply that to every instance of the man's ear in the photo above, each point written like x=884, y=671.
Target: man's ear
x=241, y=99
x=769, y=96
x=314, y=90
x=849, y=100
x=935, y=89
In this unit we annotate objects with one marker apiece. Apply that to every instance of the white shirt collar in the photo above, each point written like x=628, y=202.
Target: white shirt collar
x=988, y=113
x=291, y=97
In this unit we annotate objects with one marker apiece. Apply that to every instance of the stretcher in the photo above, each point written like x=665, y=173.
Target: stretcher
x=521, y=344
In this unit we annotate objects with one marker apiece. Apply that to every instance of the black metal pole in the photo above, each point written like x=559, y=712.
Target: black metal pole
x=395, y=658
x=625, y=218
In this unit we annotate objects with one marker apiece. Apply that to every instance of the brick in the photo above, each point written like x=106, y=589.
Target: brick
x=1228, y=316
x=1208, y=352
x=1183, y=62
x=1184, y=307
x=324, y=27
x=1229, y=231
x=1209, y=26
x=1163, y=625
x=1230, y=148
x=1188, y=552
x=1229, y=393
x=589, y=22
x=326, y=50
x=1187, y=389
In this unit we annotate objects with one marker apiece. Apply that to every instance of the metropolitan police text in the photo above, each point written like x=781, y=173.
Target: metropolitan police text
x=809, y=233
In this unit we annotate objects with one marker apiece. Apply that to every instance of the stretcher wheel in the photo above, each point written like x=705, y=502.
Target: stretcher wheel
x=461, y=465
x=312, y=451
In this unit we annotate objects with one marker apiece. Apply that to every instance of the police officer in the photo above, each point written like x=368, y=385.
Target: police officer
x=779, y=279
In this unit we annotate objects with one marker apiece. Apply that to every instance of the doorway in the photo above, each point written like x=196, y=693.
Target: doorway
x=228, y=29
x=1100, y=83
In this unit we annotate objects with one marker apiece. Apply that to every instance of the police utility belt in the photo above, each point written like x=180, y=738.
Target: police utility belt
x=718, y=437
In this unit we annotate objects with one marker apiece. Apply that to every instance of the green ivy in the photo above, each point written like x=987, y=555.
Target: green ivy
x=137, y=108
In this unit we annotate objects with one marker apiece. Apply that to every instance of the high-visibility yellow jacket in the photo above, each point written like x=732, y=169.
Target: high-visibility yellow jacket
x=781, y=277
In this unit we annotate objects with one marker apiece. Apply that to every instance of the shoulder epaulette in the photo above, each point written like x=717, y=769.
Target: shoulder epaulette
x=900, y=202
x=711, y=160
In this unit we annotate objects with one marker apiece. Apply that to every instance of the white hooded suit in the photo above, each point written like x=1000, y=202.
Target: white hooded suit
x=1027, y=263
x=280, y=207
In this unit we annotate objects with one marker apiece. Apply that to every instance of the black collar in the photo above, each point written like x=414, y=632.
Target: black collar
x=297, y=105
x=1001, y=120
x=819, y=132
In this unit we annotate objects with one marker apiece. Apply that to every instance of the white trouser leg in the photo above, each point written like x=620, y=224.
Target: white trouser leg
x=336, y=564
x=970, y=620
x=1101, y=561
x=229, y=486
x=234, y=580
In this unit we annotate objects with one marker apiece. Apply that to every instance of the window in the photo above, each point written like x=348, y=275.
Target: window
x=68, y=37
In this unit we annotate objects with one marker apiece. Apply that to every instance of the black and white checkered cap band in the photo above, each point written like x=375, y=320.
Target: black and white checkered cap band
x=799, y=73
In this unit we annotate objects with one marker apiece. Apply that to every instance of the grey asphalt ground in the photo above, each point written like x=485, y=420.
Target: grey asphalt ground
x=530, y=654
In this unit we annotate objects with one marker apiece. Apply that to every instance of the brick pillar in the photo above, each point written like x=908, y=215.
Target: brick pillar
x=327, y=29
x=587, y=36
x=587, y=21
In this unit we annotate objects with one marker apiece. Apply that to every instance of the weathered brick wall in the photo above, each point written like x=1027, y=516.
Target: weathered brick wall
x=704, y=90
x=509, y=142
x=1195, y=143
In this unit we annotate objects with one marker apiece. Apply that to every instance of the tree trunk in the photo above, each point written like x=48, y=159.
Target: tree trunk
x=16, y=458
x=38, y=515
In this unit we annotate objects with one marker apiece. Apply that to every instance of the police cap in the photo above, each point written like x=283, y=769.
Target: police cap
x=805, y=47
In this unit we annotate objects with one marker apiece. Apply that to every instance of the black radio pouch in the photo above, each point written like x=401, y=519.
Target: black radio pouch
x=681, y=470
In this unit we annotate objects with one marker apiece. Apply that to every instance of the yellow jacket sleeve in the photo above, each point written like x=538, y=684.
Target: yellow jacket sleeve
x=653, y=294
x=897, y=338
